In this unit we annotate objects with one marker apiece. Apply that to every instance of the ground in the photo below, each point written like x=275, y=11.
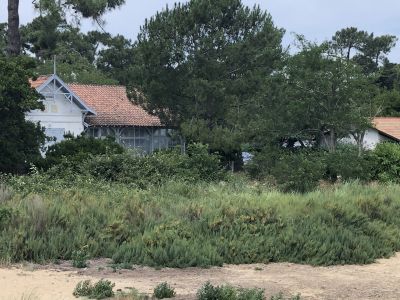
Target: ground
x=375, y=281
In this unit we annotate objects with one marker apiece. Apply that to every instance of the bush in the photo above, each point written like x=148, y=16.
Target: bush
x=387, y=157
x=78, y=149
x=210, y=292
x=79, y=259
x=157, y=168
x=301, y=170
x=83, y=289
x=182, y=224
x=346, y=163
x=298, y=171
x=100, y=290
x=164, y=290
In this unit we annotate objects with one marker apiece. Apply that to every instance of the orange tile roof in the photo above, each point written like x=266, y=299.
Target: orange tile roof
x=38, y=82
x=112, y=106
x=389, y=126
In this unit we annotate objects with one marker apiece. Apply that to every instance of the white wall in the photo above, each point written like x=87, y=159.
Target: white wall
x=372, y=138
x=60, y=115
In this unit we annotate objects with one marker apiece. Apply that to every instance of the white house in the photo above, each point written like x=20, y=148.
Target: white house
x=385, y=129
x=64, y=111
x=98, y=110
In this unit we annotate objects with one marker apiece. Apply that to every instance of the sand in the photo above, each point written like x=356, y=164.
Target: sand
x=380, y=280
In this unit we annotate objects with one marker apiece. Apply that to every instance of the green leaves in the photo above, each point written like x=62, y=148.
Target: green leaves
x=20, y=140
x=201, y=62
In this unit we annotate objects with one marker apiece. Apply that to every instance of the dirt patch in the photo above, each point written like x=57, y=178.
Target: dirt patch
x=377, y=281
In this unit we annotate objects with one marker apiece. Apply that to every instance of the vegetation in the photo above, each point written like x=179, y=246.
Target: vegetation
x=210, y=292
x=100, y=290
x=199, y=224
x=103, y=289
x=215, y=59
x=130, y=168
x=20, y=140
x=77, y=150
x=216, y=71
x=164, y=290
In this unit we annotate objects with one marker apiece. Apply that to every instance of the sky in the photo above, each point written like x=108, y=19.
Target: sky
x=318, y=20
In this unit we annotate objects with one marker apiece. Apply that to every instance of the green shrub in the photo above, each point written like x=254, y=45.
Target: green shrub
x=164, y=290
x=76, y=150
x=79, y=258
x=210, y=292
x=155, y=169
x=347, y=164
x=100, y=290
x=181, y=224
x=83, y=289
x=387, y=157
x=301, y=170
x=298, y=171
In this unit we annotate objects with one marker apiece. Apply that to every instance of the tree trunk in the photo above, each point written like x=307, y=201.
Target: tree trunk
x=14, y=38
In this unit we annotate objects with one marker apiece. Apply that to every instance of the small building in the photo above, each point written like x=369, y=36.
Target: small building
x=385, y=129
x=99, y=111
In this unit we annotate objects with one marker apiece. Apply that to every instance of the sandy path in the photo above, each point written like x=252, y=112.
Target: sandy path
x=377, y=281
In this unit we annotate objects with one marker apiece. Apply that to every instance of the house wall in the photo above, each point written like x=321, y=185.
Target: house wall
x=372, y=138
x=59, y=117
x=144, y=139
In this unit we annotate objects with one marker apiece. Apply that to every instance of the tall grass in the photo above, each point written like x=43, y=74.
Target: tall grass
x=181, y=225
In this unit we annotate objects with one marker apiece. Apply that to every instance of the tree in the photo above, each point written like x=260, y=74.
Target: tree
x=323, y=97
x=3, y=38
x=20, y=140
x=14, y=39
x=198, y=64
x=116, y=59
x=348, y=39
x=49, y=35
x=94, y=9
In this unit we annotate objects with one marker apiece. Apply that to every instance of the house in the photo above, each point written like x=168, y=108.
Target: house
x=385, y=129
x=99, y=111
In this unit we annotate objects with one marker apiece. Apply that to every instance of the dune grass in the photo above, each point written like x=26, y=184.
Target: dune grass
x=182, y=225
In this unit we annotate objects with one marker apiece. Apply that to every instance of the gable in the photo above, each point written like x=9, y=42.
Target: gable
x=53, y=88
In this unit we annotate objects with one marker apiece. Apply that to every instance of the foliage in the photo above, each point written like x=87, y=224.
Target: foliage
x=200, y=62
x=346, y=163
x=281, y=297
x=100, y=290
x=210, y=292
x=387, y=157
x=76, y=150
x=79, y=259
x=182, y=224
x=164, y=290
x=301, y=170
x=140, y=171
x=83, y=289
x=20, y=140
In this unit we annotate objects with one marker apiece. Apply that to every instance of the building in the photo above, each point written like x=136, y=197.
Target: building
x=99, y=111
x=385, y=129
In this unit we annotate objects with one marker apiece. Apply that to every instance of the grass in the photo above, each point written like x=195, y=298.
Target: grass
x=181, y=225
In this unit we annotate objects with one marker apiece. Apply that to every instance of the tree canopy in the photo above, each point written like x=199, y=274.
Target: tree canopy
x=198, y=63
x=20, y=140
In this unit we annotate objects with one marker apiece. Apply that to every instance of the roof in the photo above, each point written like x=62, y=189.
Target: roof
x=41, y=82
x=113, y=107
x=388, y=126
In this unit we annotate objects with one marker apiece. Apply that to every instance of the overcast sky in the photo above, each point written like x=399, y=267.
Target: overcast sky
x=316, y=19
